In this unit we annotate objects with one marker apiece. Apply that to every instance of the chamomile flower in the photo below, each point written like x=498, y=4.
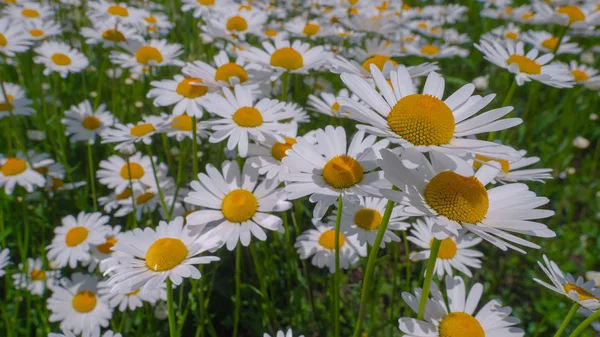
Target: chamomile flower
x=141, y=56
x=425, y=121
x=319, y=245
x=508, y=32
x=328, y=103
x=432, y=51
x=154, y=23
x=75, y=303
x=35, y=278
x=144, y=259
x=127, y=134
x=546, y=42
x=116, y=12
x=281, y=333
x=13, y=38
x=60, y=57
x=459, y=316
x=577, y=290
x=572, y=16
x=448, y=190
x=116, y=172
x=235, y=204
x=240, y=117
x=238, y=23
x=133, y=299
x=454, y=252
x=340, y=65
x=83, y=123
x=584, y=75
x=201, y=8
x=526, y=66
x=146, y=200
x=42, y=29
x=109, y=34
x=13, y=101
x=28, y=11
x=363, y=219
x=266, y=156
x=18, y=171
x=72, y=240
x=331, y=168
x=186, y=93
x=286, y=56
x=309, y=29
x=511, y=170
x=67, y=333
x=4, y=260
x=100, y=252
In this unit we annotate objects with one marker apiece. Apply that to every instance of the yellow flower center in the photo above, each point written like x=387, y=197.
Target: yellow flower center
x=113, y=35
x=245, y=8
x=342, y=172
x=142, y=129
x=36, y=32
x=526, y=65
x=368, y=219
x=38, y=275
x=7, y=106
x=237, y=23
x=528, y=15
x=84, y=301
x=91, y=123
x=56, y=184
x=229, y=70
x=182, y=122
x=144, y=198
x=165, y=254
x=30, y=13
x=430, y=50
x=117, y=10
x=188, y=88
x=287, y=58
x=106, y=247
x=125, y=194
x=136, y=170
x=147, y=54
x=206, y=2
x=504, y=164
x=423, y=25
x=447, y=250
x=512, y=35
x=131, y=293
x=3, y=41
x=327, y=239
x=462, y=199
x=13, y=167
x=61, y=59
x=279, y=149
x=573, y=12
x=41, y=170
x=150, y=19
x=239, y=205
x=379, y=61
x=335, y=107
x=76, y=235
x=422, y=119
x=582, y=293
x=460, y=324
x=247, y=117
x=550, y=43
x=579, y=75
x=271, y=32
x=311, y=29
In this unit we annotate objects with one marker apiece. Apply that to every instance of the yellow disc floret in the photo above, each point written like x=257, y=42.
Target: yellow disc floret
x=239, y=205
x=134, y=171
x=84, y=301
x=13, y=167
x=526, y=65
x=327, y=239
x=287, y=58
x=460, y=324
x=379, y=61
x=278, y=151
x=343, y=172
x=165, y=254
x=229, y=70
x=76, y=235
x=247, y=117
x=368, y=219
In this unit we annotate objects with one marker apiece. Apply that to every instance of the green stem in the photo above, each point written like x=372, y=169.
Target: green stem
x=160, y=193
x=134, y=213
x=567, y=320
x=435, y=248
x=560, y=38
x=195, y=146
x=336, y=276
x=172, y=326
x=92, y=177
x=588, y=321
x=507, y=99
x=285, y=86
x=236, y=314
x=364, y=293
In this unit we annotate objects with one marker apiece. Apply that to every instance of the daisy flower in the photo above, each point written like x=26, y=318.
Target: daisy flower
x=448, y=190
x=235, y=204
x=459, y=316
x=286, y=56
x=201, y=7
x=238, y=23
x=546, y=42
x=340, y=65
x=508, y=32
x=154, y=23
x=109, y=34
x=281, y=333
x=28, y=11
x=186, y=93
x=328, y=103
x=72, y=240
x=146, y=200
x=565, y=284
x=182, y=128
x=511, y=170
x=99, y=253
x=362, y=220
x=83, y=123
x=144, y=259
x=42, y=29
x=67, y=333
x=425, y=121
x=454, y=252
x=133, y=299
x=76, y=305
x=127, y=134
x=115, y=172
x=584, y=75
x=140, y=56
x=13, y=38
x=332, y=168
x=319, y=245
x=35, y=278
x=4, y=260
x=309, y=29
x=432, y=51
x=18, y=171
x=117, y=12
x=525, y=66
x=240, y=118
x=60, y=57
x=572, y=16
x=13, y=101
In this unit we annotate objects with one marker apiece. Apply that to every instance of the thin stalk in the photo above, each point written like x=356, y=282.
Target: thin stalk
x=195, y=146
x=408, y=262
x=567, y=320
x=160, y=193
x=507, y=99
x=238, y=276
x=134, y=213
x=336, y=276
x=588, y=321
x=285, y=86
x=560, y=38
x=92, y=177
x=364, y=293
x=435, y=248
x=172, y=326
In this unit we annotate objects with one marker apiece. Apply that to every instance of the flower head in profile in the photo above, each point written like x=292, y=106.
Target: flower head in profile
x=15, y=102
x=35, y=277
x=13, y=37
